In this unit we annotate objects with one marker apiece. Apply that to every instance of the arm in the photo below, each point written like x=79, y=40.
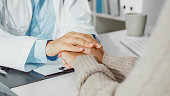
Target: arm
x=70, y=22
x=121, y=64
x=14, y=47
x=38, y=52
x=92, y=76
x=14, y=50
x=76, y=16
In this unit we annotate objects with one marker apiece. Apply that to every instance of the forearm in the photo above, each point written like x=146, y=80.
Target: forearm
x=121, y=64
x=92, y=76
x=85, y=66
x=98, y=84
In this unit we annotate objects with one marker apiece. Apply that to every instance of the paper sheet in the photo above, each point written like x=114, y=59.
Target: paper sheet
x=50, y=68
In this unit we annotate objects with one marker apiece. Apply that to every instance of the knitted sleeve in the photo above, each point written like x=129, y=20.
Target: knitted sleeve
x=86, y=66
x=92, y=76
x=99, y=84
x=122, y=65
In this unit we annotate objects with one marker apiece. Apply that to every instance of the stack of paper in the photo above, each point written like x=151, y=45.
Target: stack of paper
x=50, y=68
x=136, y=45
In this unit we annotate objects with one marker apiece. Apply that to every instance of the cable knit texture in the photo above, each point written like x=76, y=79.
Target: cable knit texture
x=89, y=72
x=120, y=66
x=87, y=65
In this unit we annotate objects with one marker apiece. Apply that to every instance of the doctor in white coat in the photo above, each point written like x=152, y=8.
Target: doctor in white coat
x=35, y=31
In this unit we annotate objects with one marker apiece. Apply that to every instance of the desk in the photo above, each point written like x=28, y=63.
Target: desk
x=65, y=85
x=58, y=86
x=112, y=45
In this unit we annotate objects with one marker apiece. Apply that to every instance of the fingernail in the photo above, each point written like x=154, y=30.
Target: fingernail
x=98, y=45
x=81, y=49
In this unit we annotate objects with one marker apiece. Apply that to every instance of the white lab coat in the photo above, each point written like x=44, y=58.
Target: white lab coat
x=15, y=18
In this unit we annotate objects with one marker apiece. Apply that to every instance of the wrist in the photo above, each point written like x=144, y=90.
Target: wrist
x=51, y=48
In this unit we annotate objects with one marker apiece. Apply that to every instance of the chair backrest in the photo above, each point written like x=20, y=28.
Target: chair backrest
x=150, y=76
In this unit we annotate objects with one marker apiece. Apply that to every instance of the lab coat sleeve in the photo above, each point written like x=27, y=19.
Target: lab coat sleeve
x=14, y=50
x=38, y=52
x=5, y=91
x=76, y=16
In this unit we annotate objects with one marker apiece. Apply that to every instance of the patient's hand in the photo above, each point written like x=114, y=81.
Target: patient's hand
x=68, y=58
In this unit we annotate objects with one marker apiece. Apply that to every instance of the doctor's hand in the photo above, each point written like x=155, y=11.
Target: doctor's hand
x=69, y=42
x=68, y=58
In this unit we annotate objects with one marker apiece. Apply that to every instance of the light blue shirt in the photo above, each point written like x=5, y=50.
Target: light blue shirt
x=42, y=26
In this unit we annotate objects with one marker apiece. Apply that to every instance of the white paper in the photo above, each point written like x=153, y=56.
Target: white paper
x=30, y=66
x=136, y=44
x=50, y=68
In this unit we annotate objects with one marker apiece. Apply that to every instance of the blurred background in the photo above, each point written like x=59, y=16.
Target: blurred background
x=109, y=15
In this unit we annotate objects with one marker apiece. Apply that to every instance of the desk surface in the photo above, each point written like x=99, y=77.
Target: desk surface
x=111, y=43
x=65, y=85
x=58, y=86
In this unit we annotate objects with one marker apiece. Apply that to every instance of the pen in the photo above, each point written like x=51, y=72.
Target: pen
x=2, y=71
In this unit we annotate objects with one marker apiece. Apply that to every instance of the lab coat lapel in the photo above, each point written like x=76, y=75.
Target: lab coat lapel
x=58, y=6
x=18, y=15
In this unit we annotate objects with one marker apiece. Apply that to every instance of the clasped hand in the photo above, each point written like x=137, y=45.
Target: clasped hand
x=68, y=58
x=72, y=45
x=69, y=42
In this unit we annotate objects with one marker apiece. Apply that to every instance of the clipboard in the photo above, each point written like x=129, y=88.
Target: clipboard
x=15, y=78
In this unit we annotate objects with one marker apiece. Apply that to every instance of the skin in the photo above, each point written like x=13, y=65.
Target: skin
x=68, y=58
x=71, y=42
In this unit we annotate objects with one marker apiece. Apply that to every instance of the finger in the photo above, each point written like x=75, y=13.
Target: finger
x=92, y=51
x=86, y=37
x=97, y=53
x=88, y=51
x=67, y=66
x=63, y=62
x=72, y=48
x=79, y=41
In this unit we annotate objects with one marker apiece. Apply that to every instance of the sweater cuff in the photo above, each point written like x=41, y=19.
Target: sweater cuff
x=86, y=65
x=122, y=64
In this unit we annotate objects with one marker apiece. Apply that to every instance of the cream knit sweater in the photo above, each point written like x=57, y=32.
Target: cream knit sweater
x=94, y=79
x=149, y=77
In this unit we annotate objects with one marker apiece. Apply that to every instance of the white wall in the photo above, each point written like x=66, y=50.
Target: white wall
x=150, y=7
x=136, y=6
x=153, y=9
